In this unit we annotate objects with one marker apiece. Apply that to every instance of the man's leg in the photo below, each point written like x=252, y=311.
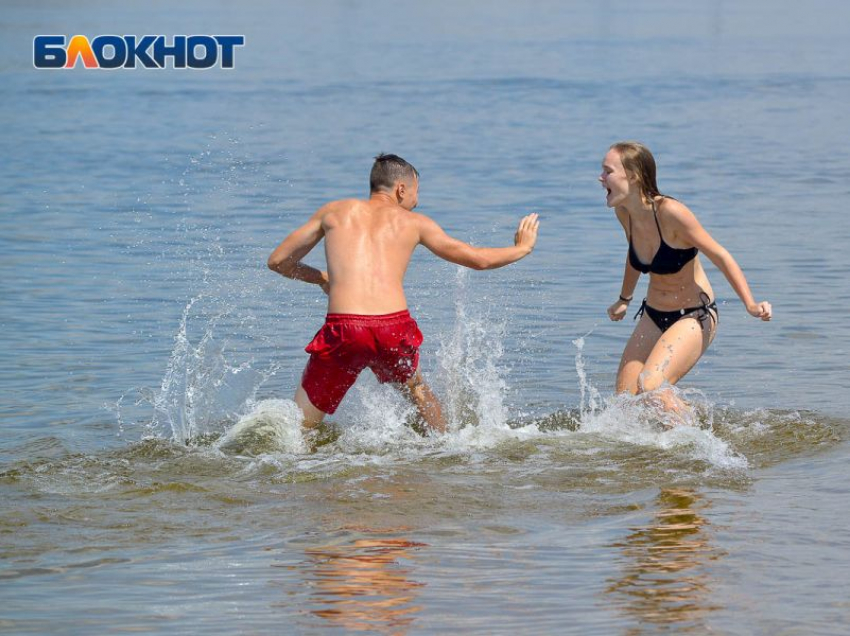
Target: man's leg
x=418, y=392
x=312, y=416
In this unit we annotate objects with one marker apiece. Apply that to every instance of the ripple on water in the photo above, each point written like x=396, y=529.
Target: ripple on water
x=619, y=445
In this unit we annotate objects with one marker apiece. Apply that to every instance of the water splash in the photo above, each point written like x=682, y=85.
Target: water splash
x=380, y=420
x=641, y=420
x=468, y=359
x=375, y=419
x=633, y=420
x=590, y=398
x=220, y=354
x=270, y=426
x=202, y=392
x=202, y=389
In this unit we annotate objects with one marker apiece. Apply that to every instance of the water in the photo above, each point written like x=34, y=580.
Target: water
x=152, y=471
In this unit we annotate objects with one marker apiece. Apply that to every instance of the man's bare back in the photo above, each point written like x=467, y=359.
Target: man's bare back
x=368, y=246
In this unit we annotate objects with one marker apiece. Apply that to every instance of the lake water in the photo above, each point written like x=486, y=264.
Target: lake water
x=153, y=477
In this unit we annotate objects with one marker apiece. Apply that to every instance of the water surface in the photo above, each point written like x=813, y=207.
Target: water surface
x=153, y=475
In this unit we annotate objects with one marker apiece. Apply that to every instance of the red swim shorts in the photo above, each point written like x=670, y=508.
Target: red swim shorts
x=348, y=343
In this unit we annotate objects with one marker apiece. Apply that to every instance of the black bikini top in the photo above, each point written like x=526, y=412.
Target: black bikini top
x=667, y=260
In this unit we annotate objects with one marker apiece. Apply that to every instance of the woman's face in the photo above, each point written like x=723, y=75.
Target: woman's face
x=614, y=179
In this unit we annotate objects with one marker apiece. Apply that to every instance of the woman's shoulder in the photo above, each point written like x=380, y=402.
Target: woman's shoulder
x=622, y=216
x=672, y=209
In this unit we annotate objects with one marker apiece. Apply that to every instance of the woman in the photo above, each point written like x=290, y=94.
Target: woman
x=678, y=318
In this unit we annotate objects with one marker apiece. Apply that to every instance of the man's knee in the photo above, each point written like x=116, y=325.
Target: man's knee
x=312, y=414
x=415, y=381
x=416, y=386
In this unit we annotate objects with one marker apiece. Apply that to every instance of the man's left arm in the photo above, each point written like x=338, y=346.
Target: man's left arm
x=286, y=259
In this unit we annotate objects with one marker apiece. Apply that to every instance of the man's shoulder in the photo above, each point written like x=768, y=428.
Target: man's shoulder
x=418, y=217
x=338, y=208
x=341, y=205
x=397, y=214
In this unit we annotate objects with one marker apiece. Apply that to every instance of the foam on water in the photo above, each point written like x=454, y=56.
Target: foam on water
x=631, y=420
x=271, y=426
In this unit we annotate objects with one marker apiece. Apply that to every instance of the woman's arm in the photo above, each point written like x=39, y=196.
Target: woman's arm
x=617, y=311
x=689, y=229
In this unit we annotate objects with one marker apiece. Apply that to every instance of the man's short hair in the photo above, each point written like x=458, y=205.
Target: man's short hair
x=389, y=170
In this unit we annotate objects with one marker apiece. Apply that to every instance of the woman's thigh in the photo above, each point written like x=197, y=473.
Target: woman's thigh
x=676, y=352
x=637, y=350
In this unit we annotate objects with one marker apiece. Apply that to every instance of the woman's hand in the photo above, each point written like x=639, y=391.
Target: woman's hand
x=761, y=310
x=617, y=311
x=526, y=232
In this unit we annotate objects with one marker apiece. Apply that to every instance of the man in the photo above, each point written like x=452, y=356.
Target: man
x=368, y=246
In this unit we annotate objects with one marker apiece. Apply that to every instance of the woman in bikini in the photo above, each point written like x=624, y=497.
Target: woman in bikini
x=678, y=318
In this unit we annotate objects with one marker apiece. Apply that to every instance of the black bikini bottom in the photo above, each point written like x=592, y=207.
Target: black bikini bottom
x=666, y=319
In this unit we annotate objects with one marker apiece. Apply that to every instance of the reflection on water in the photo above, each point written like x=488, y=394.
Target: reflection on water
x=664, y=580
x=365, y=584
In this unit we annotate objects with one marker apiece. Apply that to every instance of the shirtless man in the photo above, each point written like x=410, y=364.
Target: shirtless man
x=368, y=246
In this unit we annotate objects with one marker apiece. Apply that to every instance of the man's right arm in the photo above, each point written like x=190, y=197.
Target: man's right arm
x=286, y=259
x=432, y=236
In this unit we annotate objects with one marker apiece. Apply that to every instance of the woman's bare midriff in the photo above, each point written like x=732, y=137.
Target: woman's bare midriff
x=668, y=292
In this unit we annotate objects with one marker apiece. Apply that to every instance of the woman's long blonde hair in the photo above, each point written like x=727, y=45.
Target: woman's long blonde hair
x=639, y=162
